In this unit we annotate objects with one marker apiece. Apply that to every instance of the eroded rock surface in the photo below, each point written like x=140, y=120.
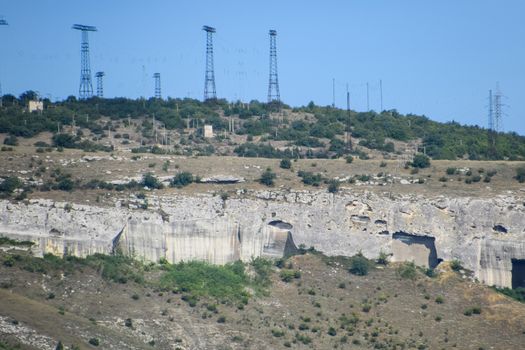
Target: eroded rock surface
x=272, y=223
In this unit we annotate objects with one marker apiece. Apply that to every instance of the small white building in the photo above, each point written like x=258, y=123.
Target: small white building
x=35, y=106
x=208, y=131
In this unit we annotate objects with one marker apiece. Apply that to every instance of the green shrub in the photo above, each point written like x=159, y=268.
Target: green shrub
x=349, y=159
x=476, y=310
x=333, y=186
x=359, y=265
x=407, y=270
x=94, y=341
x=268, y=177
x=225, y=283
x=421, y=161
x=11, y=140
x=440, y=299
x=516, y=293
x=382, y=259
x=277, y=333
x=310, y=178
x=182, y=179
x=288, y=275
x=149, y=180
x=285, y=163
x=520, y=175
x=455, y=265
x=10, y=184
x=451, y=171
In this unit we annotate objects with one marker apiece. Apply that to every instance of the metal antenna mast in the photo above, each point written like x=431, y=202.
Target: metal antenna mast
x=273, y=85
x=3, y=22
x=86, y=89
x=100, y=84
x=209, y=80
x=156, y=76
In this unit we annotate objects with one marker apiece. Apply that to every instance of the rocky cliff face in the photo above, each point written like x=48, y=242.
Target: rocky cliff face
x=486, y=235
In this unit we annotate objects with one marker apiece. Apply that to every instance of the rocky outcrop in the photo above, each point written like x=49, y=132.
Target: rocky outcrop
x=485, y=234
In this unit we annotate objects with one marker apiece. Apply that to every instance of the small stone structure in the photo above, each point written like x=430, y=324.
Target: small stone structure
x=208, y=131
x=35, y=106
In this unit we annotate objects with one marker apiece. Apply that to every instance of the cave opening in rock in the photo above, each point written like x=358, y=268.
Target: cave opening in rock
x=518, y=273
x=419, y=249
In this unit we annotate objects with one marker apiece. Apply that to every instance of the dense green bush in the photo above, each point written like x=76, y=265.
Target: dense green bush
x=421, y=161
x=268, y=177
x=359, y=265
x=225, y=283
x=285, y=163
x=149, y=180
x=520, y=175
x=182, y=179
x=407, y=270
x=310, y=178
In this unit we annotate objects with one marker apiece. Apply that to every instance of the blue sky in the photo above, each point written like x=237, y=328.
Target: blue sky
x=437, y=58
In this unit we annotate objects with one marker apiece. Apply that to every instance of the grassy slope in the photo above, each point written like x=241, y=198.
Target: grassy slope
x=402, y=311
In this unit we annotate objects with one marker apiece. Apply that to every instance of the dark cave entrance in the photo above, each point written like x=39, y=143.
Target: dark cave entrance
x=518, y=273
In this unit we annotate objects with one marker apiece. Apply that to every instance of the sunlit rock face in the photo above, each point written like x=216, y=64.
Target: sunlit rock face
x=485, y=234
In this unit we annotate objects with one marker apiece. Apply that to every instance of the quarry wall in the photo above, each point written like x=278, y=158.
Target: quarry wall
x=486, y=234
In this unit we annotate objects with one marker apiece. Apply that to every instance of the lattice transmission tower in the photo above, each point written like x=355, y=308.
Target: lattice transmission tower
x=100, y=84
x=209, y=80
x=158, y=94
x=273, y=84
x=86, y=89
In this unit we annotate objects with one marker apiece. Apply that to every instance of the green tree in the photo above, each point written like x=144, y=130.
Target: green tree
x=268, y=177
x=421, y=161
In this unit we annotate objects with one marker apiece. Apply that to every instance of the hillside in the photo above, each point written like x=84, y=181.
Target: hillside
x=265, y=130
x=304, y=302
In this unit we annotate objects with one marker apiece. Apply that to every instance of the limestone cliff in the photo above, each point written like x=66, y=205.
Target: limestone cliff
x=486, y=235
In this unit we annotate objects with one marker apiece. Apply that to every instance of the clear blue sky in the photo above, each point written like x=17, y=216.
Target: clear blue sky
x=437, y=58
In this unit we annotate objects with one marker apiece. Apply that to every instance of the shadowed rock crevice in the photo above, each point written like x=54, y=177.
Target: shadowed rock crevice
x=500, y=229
x=419, y=249
x=518, y=273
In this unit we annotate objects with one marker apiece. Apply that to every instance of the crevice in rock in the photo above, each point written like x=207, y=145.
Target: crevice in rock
x=500, y=229
x=281, y=224
x=518, y=273
x=360, y=219
x=380, y=222
x=385, y=232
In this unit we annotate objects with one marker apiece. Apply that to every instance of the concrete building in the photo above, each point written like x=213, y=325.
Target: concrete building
x=208, y=131
x=35, y=106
